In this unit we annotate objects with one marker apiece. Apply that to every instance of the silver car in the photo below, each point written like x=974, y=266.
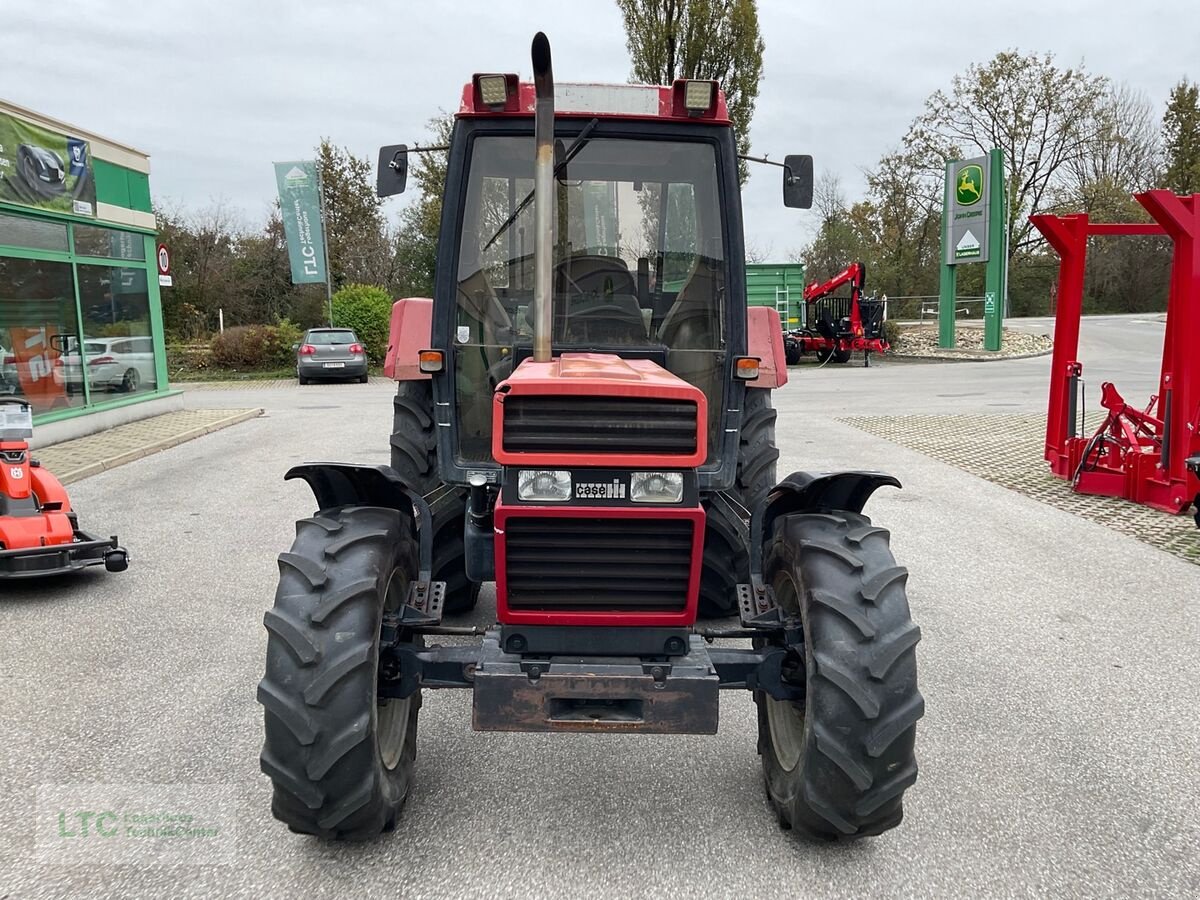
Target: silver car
x=330, y=353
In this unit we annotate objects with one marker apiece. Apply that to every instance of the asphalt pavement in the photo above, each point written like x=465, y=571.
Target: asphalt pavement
x=1058, y=754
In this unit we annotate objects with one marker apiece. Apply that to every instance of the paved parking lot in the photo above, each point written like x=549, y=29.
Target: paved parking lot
x=1059, y=666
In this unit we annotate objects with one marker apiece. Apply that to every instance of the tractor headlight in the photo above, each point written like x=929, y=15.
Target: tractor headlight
x=546, y=485
x=656, y=487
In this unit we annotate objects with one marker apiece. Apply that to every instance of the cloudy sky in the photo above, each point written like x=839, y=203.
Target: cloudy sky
x=214, y=91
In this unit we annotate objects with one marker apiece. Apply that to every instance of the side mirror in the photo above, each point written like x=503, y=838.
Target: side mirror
x=393, y=170
x=798, y=181
x=62, y=342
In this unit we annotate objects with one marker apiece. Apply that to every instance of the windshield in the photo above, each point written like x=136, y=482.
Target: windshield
x=638, y=264
x=331, y=337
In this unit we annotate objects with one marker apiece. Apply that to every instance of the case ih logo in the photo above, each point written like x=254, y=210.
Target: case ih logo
x=600, y=490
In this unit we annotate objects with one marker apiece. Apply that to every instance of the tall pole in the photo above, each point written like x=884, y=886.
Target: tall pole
x=997, y=262
x=543, y=197
x=948, y=283
x=325, y=244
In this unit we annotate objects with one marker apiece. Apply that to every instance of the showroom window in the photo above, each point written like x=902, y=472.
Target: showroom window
x=39, y=350
x=117, y=345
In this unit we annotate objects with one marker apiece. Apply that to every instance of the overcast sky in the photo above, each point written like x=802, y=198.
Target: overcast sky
x=214, y=91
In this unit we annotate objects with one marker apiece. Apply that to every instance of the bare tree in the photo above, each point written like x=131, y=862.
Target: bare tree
x=1044, y=119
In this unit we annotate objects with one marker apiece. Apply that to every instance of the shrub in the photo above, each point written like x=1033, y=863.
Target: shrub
x=240, y=347
x=891, y=331
x=256, y=346
x=277, y=344
x=368, y=310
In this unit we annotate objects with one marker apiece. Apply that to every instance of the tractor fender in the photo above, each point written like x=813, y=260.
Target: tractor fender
x=764, y=339
x=808, y=492
x=409, y=334
x=348, y=484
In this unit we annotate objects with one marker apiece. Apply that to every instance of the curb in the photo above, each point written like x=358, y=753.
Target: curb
x=973, y=359
x=149, y=449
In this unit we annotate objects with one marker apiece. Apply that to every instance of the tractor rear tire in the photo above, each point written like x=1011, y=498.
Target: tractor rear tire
x=340, y=758
x=414, y=457
x=836, y=764
x=726, y=561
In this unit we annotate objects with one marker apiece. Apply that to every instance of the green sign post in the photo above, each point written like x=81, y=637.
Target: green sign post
x=973, y=230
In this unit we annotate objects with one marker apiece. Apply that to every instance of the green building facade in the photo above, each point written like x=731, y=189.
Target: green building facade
x=80, y=315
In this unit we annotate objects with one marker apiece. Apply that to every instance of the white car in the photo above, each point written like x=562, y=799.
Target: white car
x=124, y=363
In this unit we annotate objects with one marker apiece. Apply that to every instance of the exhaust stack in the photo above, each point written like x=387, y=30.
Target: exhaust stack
x=543, y=197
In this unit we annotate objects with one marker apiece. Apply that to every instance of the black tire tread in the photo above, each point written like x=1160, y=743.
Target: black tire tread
x=318, y=692
x=862, y=703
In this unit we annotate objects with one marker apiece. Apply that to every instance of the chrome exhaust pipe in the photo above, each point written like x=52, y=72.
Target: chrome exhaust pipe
x=543, y=197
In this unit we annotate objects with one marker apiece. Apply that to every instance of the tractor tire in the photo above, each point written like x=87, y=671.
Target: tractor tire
x=792, y=352
x=836, y=764
x=414, y=436
x=414, y=457
x=341, y=760
x=841, y=356
x=726, y=562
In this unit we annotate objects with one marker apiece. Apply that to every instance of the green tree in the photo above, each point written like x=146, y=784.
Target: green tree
x=359, y=243
x=1181, y=137
x=415, y=244
x=1044, y=118
x=368, y=310
x=717, y=39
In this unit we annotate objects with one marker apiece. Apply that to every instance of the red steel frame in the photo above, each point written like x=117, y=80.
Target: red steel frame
x=854, y=275
x=683, y=617
x=1136, y=454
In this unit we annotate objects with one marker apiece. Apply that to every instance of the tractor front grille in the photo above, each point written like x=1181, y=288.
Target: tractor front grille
x=582, y=424
x=588, y=564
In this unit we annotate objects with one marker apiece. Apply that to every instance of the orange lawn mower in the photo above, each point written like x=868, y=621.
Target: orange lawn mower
x=39, y=533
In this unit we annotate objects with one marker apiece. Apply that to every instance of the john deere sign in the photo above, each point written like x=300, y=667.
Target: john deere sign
x=973, y=230
x=968, y=212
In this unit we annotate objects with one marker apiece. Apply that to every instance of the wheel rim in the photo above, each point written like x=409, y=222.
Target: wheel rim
x=392, y=716
x=785, y=719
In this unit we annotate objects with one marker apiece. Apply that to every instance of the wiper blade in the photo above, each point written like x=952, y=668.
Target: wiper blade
x=572, y=152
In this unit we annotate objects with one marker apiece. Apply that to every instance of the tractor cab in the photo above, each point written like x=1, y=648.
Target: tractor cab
x=644, y=247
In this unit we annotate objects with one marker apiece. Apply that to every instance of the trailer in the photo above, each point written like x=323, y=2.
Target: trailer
x=835, y=326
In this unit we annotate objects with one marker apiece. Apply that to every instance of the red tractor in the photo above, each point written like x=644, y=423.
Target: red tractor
x=837, y=326
x=583, y=417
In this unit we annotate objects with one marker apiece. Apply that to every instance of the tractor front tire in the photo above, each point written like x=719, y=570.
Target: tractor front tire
x=340, y=758
x=726, y=562
x=837, y=762
x=414, y=457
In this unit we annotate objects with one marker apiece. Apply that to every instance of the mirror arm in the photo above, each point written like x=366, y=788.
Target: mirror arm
x=770, y=162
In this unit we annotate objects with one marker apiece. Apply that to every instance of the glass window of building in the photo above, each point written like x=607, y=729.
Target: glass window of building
x=110, y=243
x=32, y=234
x=39, y=344
x=118, y=348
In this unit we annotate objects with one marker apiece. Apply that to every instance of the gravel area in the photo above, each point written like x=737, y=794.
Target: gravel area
x=922, y=342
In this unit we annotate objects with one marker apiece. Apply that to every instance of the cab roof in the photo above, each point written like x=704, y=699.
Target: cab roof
x=604, y=101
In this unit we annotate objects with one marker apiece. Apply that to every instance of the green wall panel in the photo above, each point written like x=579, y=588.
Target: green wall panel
x=121, y=187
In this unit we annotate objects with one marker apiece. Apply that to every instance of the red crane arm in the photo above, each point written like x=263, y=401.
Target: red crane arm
x=854, y=274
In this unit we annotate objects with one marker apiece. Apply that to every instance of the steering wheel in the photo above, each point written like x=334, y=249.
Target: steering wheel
x=611, y=319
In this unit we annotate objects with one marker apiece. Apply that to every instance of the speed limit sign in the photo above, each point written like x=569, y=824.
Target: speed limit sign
x=164, y=266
